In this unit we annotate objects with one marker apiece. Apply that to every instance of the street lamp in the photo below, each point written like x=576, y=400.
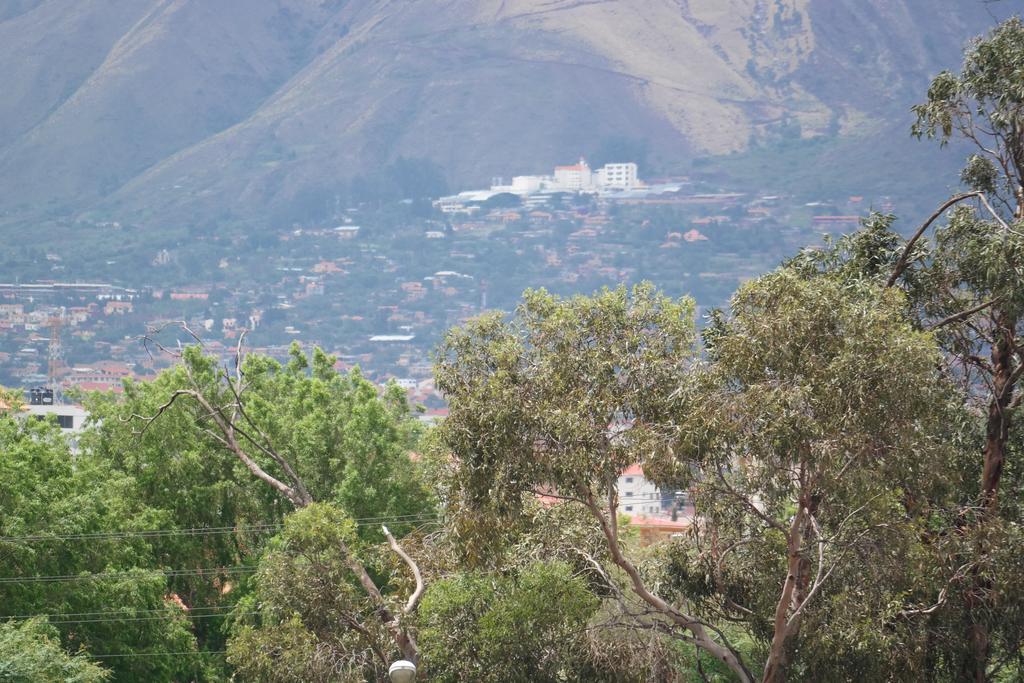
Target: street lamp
x=402, y=671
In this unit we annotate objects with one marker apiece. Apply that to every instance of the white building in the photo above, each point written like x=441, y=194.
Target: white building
x=70, y=418
x=617, y=176
x=526, y=184
x=612, y=178
x=637, y=495
x=574, y=178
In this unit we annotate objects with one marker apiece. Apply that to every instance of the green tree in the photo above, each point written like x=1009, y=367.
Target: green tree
x=30, y=652
x=534, y=404
x=529, y=626
x=311, y=616
x=798, y=452
x=817, y=433
x=980, y=254
x=262, y=434
x=965, y=284
x=62, y=553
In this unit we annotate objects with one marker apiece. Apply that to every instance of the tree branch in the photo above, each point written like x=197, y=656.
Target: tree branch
x=957, y=317
x=414, y=599
x=724, y=653
x=298, y=498
x=901, y=263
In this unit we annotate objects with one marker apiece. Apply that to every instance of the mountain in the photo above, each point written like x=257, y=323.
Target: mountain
x=190, y=111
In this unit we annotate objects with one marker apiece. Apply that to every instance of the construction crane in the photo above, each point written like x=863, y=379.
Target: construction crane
x=56, y=357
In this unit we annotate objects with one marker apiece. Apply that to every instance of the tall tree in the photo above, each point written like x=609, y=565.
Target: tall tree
x=63, y=551
x=982, y=254
x=797, y=450
x=534, y=406
x=976, y=274
x=303, y=430
x=311, y=617
x=816, y=432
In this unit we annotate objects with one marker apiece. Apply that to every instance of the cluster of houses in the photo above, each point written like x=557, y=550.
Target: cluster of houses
x=379, y=296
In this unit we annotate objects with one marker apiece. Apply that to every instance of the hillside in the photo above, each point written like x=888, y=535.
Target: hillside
x=183, y=111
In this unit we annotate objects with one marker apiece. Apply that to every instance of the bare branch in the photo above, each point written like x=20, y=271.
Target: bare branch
x=901, y=263
x=957, y=317
x=414, y=599
x=159, y=411
x=299, y=498
x=406, y=643
x=960, y=573
x=265, y=446
x=993, y=213
x=724, y=652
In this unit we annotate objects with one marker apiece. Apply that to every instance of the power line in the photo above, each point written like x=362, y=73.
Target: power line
x=153, y=618
x=201, y=531
x=58, y=622
x=159, y=654
x=153, y=533
x=126, y=574
x=115, y=611
x=212, y=531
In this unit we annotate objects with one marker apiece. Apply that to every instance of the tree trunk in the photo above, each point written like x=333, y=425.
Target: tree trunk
x=776, y=666
x=997, y=427
x=701, y=638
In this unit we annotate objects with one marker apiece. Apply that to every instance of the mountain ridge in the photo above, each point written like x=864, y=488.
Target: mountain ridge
x=204, y=113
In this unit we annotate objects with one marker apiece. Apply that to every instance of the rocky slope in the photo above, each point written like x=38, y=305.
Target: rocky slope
x=161, y=111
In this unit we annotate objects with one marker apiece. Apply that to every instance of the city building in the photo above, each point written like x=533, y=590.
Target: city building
x=617, y=177
x=637, y=495
x=70, y=418
x=611, y=178
x=575, y=178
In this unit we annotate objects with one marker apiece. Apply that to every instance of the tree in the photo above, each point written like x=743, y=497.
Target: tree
x=307, y=433
x=527, y=626
x=62, y=551
x=312, y=617
x=798, y=452
x=533, y=407
x=818, y=423
x=973, y=279
x=985, y=105
x=30, y=652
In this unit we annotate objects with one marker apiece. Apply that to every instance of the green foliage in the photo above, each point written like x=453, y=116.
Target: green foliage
x=531, y=401
x=348, y=443
x=44, y=493
x=784, y=414
x=980, y=174
x=992, y=77
x=790, y=412
x=284, y=654
x=525, y=627
x=984, y=104
x=30, y=652
x=314, y=621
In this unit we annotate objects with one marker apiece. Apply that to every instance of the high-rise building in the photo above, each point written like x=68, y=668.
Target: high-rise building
x=574, y=178
x=618, y=176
